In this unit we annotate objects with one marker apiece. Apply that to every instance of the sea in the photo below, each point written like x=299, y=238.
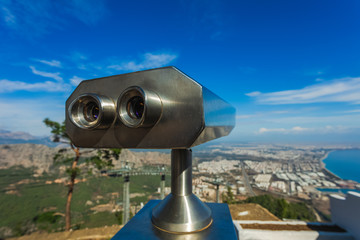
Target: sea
x=336, y=190
x=344, y=163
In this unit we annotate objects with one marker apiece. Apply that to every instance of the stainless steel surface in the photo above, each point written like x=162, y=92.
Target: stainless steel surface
x=181, y=214
x=181, y=211
x=90, y=111
x=158, y=108
x=178, y=112
x=126, y=200
x=141, y=228
x=217, y=184
x=150, y=108
x=219, y=117
x=162, y=187
x=181, y=172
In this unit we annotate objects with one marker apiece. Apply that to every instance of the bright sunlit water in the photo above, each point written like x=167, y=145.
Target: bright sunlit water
x=345, y=164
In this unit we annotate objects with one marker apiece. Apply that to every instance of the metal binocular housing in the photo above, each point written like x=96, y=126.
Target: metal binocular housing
x=158, y=108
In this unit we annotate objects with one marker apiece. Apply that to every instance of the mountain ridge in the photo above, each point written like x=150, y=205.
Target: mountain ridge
x=9, y=137
x=40, y=157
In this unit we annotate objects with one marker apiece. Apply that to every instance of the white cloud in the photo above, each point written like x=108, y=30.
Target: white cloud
x=89, y=12
x=78, y=56
x=245, y=116
x=314, y=73
x=52, y=63
x=34, y=18
x=29, y=17
x=279, y=112
x=264, y=114
x=339, y=90
x=48, y=86
x=299, y=129
x=353, y=111
x=253, y=94
x=27, y=114
x=75, y=80
x=349, y=119
x=296, y=130
x=265, y=130
x=55, y=76
x=9, y=18
x=149, y=61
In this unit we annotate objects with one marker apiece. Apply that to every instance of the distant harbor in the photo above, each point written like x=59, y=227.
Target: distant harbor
x=337, y=190
x=344, y=164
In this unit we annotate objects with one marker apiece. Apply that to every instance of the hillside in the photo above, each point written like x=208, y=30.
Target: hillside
x=33, y=190
x=102, y=233
x=28, y=203
x=40, y=157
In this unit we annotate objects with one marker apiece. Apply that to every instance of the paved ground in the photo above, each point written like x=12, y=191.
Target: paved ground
x=246, y=181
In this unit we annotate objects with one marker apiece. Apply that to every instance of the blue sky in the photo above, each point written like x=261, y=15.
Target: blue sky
x=291, y=68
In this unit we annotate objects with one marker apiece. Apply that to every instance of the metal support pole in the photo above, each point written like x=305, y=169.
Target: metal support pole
x=181, y=211
x=162, y=187
x=126, y=199
x=181, y=172
x=217, y=193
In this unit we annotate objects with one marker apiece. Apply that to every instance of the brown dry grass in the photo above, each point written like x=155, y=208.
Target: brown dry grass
x=103, y=233
x=292, y=227
x=255, y=212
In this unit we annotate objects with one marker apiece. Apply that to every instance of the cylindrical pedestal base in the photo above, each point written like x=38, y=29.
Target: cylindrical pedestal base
x=181, y=211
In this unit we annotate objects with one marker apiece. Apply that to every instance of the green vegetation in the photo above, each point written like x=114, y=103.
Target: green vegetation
x=283, y=209
x=228, y=197
x=36, y=205
x=103, y=159
x=46, y=220
x=99, y=219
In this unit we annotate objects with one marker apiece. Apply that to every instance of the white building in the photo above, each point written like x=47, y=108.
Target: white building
x=345, y=212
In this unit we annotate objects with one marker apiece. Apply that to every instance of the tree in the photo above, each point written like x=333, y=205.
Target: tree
x=283, y=209
x=101, y=160
x=229, y=196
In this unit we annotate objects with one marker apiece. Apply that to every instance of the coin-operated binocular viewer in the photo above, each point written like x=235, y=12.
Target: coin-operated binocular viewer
x=156, y=109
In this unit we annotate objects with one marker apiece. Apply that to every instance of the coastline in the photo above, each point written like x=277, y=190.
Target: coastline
x=323, y=165
x=332, y=174
x=350, y=173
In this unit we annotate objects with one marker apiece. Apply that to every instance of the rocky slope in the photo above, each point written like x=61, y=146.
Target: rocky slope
x=143, y=158
x=40, y=157
x=35, y=156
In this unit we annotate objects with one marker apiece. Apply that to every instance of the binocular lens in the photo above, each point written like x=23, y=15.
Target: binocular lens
x=138, y=107
x=135, y=107
x=91, y=111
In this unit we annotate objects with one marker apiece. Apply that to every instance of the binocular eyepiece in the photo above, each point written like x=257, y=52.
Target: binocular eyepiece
x=91, y=111
x=136, y=108
x=139, y=108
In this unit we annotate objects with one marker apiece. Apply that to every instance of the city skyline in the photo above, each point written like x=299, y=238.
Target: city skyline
x=290, y=68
